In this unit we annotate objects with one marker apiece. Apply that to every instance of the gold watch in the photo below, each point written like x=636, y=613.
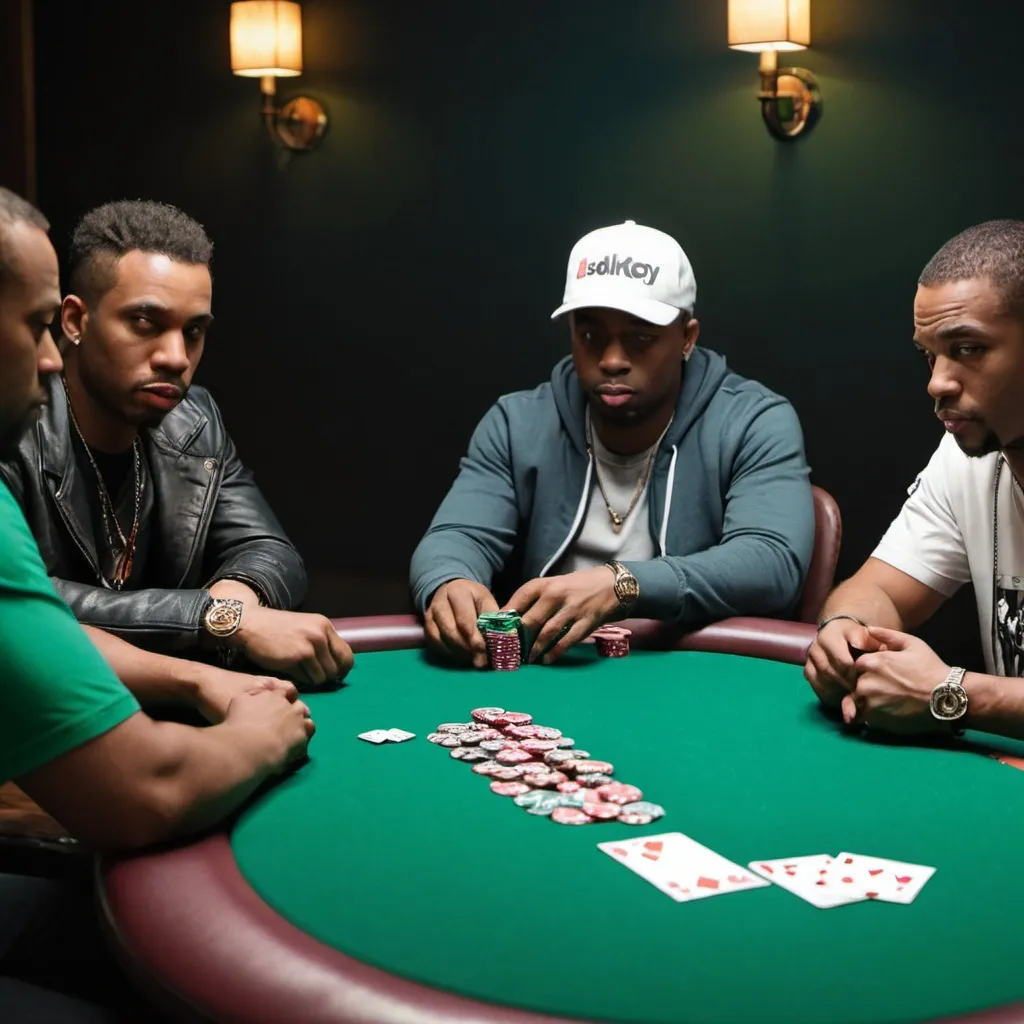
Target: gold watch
x=222, y=617
x=627, y=590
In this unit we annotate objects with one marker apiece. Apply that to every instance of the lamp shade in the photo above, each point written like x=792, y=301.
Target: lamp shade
x=266, y=38
x=759, y=25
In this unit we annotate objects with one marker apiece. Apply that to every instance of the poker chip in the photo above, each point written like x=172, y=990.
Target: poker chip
x=593, y=781
x=486, y=767
x=443, y=739
x=601, y=811
x=493, y=746
x=512, y=756
x=560, y=757
x=506, y=773
x=533, y=731
x=571, y=816
x=569, y=786
x=545, y=780
x=468, y=754
x=543, y=802
x=509, y=788
x=485, y=715
x=535, y=767
x=593, y=767
x=565, y=741
x=619, y=793
x=632, y=818
x=504, y=652
x=645, y=807
x=467, y=739
x=456, y=727
x=538, y=746
x=612, y=641
x=517, y=718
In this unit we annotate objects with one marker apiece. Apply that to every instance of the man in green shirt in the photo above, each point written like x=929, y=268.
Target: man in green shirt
x=71, y=735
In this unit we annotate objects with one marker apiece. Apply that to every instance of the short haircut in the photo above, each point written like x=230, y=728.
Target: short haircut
x=15, y=210
x=993, y=250
x=110, y=231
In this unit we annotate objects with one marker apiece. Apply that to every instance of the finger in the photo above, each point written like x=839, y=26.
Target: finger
x=310, y=727
x=486, y=602
x=342, y=653
x=893, y=639
x=840, y=660
x=463, y=605
x=525, y=597
x=313, y=670
x=872, y=662
x=302, y=706
x=447, y=631
x=850, y=709
x=558, y=621
x=576, y=632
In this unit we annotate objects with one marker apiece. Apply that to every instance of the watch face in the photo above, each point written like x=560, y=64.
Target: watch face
x=948, y=702
x=224, y=617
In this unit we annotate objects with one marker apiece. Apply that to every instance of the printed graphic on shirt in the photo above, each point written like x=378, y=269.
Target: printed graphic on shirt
x=1010, y=623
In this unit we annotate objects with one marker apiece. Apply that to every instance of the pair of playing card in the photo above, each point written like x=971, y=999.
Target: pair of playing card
x=682, y=868
x=825, y=881
x=387, y=736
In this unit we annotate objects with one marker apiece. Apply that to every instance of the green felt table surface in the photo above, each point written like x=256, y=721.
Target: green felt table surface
x=401, y=857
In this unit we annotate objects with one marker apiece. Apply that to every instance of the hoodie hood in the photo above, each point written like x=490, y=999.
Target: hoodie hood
x=702, y=377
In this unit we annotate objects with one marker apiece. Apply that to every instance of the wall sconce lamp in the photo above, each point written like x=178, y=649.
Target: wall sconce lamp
x=266, y=43
x=790, y=97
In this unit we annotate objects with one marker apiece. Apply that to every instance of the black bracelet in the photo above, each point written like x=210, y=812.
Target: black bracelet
x=840, y=615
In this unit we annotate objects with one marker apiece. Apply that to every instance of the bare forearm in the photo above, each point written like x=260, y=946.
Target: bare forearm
x=995, y=704
x=864, y=600
x=150, y=677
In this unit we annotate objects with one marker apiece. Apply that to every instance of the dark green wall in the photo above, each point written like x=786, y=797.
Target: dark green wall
x=374, y=297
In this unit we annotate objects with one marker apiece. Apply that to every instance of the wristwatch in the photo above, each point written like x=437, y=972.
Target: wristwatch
x=222, y=617
x=949, y=699
x=627, y=590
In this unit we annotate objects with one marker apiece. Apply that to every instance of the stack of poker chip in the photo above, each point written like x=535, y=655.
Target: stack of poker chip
x=543, y=771
x=502, y=633
x=612, y=641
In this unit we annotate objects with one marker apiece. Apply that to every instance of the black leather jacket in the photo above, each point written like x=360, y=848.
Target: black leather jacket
x=212, y=523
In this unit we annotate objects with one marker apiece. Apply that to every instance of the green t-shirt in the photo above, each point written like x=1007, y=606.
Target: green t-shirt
x=56, y=691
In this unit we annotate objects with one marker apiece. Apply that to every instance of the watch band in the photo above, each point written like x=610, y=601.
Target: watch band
x=840, y=615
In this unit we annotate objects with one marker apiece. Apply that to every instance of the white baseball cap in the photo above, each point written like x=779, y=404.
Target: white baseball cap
x=630, y=267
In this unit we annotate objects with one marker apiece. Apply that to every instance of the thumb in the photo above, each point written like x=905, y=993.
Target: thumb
x=849, y=708
x=893, y=639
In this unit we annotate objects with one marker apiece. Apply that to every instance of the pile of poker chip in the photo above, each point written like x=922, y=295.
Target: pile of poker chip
x=542, y=770
x=612, y=641
x=503, y=634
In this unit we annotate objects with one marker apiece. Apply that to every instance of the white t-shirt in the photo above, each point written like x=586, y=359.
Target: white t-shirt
x=597, y=542
x=943, y=537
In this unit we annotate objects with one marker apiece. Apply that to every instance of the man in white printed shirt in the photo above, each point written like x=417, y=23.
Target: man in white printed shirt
x=962, y=522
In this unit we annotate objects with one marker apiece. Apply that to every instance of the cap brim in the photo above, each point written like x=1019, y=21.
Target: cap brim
x=654, y=312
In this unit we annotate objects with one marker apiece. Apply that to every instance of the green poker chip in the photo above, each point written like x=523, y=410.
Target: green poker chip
x=499, y=622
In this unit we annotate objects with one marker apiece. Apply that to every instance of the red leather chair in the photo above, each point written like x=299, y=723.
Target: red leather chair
x=828, y=536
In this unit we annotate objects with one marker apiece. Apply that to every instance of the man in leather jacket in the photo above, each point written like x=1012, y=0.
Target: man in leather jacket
x=147, y=520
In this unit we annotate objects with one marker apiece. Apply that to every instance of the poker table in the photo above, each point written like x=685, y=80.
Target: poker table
x=387, y=884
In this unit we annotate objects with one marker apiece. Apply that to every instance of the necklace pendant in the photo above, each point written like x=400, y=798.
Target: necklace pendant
x=617, y=521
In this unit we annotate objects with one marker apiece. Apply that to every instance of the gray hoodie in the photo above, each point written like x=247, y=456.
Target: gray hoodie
x=730, y=500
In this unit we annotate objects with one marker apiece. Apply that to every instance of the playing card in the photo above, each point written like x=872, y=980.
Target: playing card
x=815, y=878
x=376, y=736
x=892, y=881
x=680, y=867
x=400, y=735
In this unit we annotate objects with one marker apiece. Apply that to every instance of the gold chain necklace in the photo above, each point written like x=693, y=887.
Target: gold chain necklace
x=618, y=521
x=122, y=562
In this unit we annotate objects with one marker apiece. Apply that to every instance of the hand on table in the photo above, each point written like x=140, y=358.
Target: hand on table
x=217, y=687
x=894, y=684
x=277, y=728
x=451, y=617
x=830, y=667
x=576, y=603
x=300, y=645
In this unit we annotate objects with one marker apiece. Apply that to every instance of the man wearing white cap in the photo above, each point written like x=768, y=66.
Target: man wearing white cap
x=644, y=478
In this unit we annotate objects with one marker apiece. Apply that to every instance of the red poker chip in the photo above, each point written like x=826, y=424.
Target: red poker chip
x=509, y=788
x=486, y=767
x=545, y=780
x=517, y=718
x=538, y=746
x=483, y=715
x=568, y=787
x=619, y=793
x=512, y=756
x=570, y=816
x=506, y=773
x=593, y=767
x=536, y=767
x=601, y=811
